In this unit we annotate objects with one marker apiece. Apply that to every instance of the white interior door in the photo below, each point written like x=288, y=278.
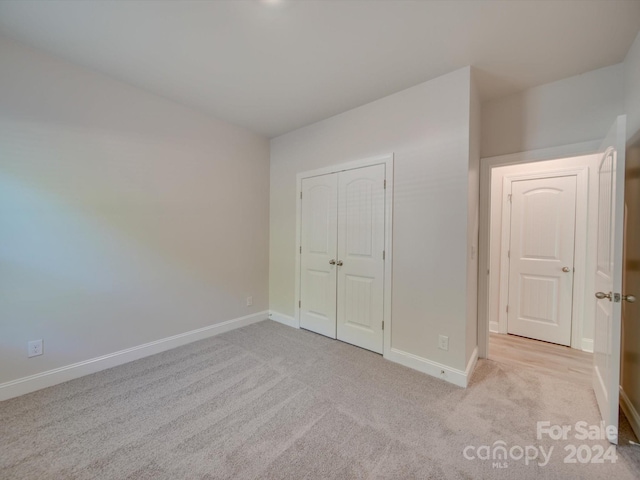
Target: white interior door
x=319, y=232
x=361, y=216
x=608, y=282
x=543, y=215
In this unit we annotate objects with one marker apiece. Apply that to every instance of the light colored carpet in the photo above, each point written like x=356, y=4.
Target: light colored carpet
x=268, y=401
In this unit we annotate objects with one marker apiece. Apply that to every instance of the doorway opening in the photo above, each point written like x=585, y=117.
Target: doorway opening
x=542, y=243
x=541, y=246
x=602, y=293
x=542, y=238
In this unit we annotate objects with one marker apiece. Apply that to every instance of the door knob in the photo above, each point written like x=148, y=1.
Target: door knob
x=602, y=295
x=629, y=298
x=332, y=262
x=339, y=263
x=566, y=269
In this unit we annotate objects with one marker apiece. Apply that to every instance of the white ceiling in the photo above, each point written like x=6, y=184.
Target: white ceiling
x=275, y=66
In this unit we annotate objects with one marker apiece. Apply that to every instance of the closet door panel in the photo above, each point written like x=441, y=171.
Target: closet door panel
x=360, y=299
x=318, y=256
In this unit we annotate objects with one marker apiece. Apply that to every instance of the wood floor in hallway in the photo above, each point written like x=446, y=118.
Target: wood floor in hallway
x=546, y=358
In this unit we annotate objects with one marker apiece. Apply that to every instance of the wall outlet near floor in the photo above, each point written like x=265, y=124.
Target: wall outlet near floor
x=34, y=348
x=443, y=342
x=249, y=301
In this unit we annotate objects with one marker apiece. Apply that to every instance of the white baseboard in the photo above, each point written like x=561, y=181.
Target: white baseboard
x=630, y=412
x=471, y=365
x=452, y=375
x=49, y=378
x=494, y=327
x=284, y=319
x=587, y=345
x=435, y=369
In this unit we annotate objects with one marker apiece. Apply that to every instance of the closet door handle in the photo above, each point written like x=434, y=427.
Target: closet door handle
x=332, y=262
x=339, y=263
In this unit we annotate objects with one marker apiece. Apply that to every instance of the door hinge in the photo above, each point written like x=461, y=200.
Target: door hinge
x=300, y=249
x=508, y=253
x=507, y=308
x=383, y=254
x=300, y=195
x=299, y=303
x=383, y=324
x=385, y=184
x=509, y=198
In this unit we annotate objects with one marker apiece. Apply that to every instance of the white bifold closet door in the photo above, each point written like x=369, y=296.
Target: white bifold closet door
x=342, y=256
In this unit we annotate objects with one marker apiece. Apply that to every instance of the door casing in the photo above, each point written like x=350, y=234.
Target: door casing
x=487, y=164
x=387, y=161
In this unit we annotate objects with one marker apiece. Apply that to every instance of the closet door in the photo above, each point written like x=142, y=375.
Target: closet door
x=318, y=255
x=361, y=216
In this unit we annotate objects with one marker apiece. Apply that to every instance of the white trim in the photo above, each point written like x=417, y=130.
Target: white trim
x=486, y=164
x=435, y=369
x=630, y=412
x=587, y=345
x=580, y=246
x=49, y=378
x=283, y=319
x=494, y=327
x=387, y=161
x=552, y=153
x=365, y=162
x=471, y=365
x=505, y=243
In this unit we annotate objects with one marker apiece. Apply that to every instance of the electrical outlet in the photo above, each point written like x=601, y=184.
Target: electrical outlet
x=443, y=342
x=249, y=301
x=34, y=348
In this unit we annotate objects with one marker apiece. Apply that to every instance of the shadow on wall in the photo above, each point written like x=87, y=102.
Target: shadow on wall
x=72, y=207
x=61, y=264
x=110, y=240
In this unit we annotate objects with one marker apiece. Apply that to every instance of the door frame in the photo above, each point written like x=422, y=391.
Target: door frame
x=579, y=248
x=387, y=161
x=486, y=166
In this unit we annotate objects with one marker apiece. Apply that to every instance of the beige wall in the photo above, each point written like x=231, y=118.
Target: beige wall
x=427, y=128
x=573, y=110
x=125, y=218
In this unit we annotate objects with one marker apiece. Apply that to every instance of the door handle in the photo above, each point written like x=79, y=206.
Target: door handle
x=332, y=262
x=629, y=298
x=602, y=295
x=339, y=263
x=566, y=269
